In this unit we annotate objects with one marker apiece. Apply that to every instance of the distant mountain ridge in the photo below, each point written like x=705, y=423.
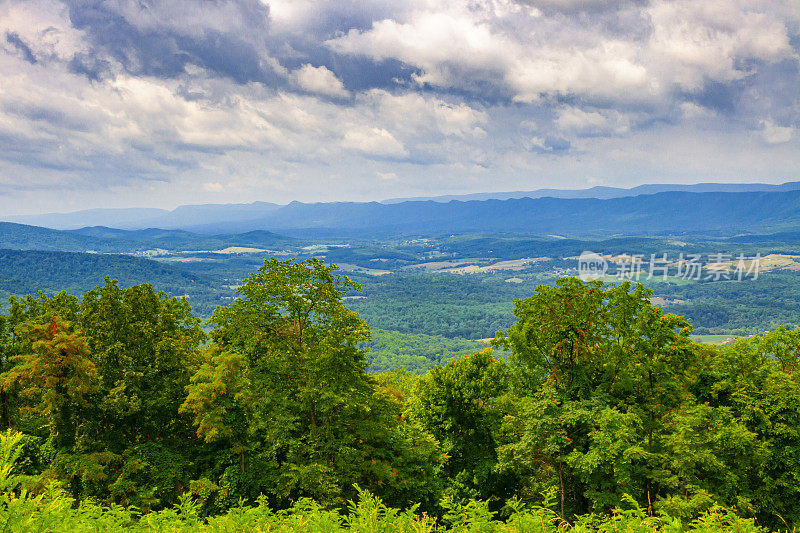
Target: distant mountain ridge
x=142, y=218
x=214, y=218
x=717, y=213
x=605, y=193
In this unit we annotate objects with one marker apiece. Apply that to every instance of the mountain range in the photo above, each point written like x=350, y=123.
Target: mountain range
x=258, y=224
x=224, y=218
x=605, y=193
x=667, y=213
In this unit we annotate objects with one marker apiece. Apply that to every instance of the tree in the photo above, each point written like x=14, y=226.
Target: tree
x=458, y=404
x=15, y=340
x=594, y=366
x=57, y=375
x=144, y=345
x=742, y=439
x=284, y=392
x=6, y=353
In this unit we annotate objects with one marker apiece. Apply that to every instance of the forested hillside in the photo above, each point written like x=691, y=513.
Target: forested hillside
x=22, y=237
x=109, y=240
x=28, y=272
x=458, y=286
x=592, y=402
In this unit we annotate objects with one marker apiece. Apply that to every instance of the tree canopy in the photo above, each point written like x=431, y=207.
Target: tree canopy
x=595, y=399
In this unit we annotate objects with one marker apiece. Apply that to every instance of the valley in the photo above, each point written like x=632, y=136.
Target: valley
x=444, y=287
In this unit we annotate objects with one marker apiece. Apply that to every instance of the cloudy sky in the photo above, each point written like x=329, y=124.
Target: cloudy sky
x=110, y=103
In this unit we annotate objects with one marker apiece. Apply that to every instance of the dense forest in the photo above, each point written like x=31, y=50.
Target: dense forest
x=593, y=410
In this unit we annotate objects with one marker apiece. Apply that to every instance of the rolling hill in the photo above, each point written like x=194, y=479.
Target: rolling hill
x=31, y=271
x=111, y=240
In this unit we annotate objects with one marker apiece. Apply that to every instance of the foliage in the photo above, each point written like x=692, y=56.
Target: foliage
x=390, y=350
x=57, y=375
x=285, y=395
x=53, y=510
x=106, y=386
x=594, y=411
x=611, y=398
x=458, y=405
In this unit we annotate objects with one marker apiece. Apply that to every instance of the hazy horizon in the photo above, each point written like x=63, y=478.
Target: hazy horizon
x=446, y=197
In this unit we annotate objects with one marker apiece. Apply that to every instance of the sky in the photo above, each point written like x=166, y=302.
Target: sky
x=122, y=103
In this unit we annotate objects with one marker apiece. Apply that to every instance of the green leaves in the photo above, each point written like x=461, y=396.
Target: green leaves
x=457, y=404
x=597, y=371
x=604, y=402
x=285, y=390
x=217, y=394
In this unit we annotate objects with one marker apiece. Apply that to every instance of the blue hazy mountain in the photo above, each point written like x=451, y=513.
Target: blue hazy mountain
x=111, y=240
x=673, y=212
x=210, y=216
x=653, y=214
x=605, y=193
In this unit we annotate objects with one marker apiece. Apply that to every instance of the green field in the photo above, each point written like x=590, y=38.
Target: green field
x=714, y=339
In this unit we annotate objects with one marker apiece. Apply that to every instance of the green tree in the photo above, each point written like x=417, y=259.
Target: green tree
x=458, y=404
x=597, y=372
x=285, y=396
x=743, y=439
x=15, y=340
x=144, y=345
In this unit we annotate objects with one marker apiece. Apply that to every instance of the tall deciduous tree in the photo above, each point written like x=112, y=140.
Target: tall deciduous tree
x=599, y=372
x=285, y=394
x=144, y=345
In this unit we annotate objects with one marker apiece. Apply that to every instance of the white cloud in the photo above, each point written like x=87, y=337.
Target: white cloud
x=319, y=80
x=374, y=142
x=775, y=134
x=443, y=45
x=213, y=187
x=414, y=114
x=535, y=56
x=44, y=26
x=576, y=121
x=718, y=40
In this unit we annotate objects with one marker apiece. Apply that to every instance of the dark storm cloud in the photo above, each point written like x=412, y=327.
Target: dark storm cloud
x=90, y=66
x=149, y=38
